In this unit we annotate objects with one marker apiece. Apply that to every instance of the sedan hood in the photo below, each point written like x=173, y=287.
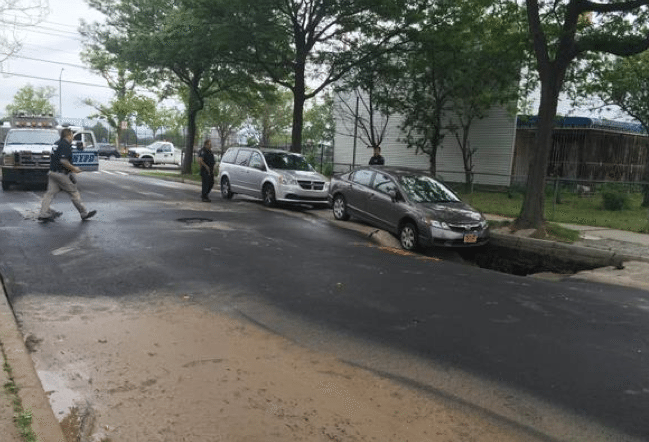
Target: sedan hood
x=452, y=212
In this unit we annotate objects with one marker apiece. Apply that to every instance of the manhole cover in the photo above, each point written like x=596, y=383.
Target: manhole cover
x=194, y=220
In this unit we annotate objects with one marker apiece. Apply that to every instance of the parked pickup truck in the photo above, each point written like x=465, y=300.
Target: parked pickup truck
x=160, y=152
x=25, y=156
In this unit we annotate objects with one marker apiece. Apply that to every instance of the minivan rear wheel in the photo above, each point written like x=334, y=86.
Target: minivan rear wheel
x=408, y=236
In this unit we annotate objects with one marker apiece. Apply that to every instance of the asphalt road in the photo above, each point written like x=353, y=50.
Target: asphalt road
x=572, y=348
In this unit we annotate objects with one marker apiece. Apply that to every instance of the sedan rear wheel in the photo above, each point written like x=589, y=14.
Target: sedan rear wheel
x=268, y=193
x=408, y=236
x=340, y=208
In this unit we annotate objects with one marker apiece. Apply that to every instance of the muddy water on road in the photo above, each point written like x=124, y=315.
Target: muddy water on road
x=171, y=371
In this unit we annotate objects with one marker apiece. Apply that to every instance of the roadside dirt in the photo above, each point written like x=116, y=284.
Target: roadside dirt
x=171, y=371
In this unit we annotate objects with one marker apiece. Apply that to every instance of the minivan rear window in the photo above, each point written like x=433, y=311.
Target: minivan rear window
x=230, y=155
x=242, y=157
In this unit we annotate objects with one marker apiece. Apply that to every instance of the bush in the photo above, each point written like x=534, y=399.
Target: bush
x=615, y=200
x=515, y=190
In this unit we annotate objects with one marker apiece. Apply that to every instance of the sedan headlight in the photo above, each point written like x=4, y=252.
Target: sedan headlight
x=437, y=224
x=287, y=180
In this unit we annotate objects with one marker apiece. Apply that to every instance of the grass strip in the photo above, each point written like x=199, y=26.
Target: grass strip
x=22, y=417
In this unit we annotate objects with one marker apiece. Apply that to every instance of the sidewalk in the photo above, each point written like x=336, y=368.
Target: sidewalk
x=631, y=248
x=14, y=356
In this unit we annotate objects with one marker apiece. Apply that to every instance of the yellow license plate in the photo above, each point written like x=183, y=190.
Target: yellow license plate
x=470, y=239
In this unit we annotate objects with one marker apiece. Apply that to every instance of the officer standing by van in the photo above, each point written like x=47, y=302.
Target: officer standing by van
x=206, y=162
x=60, y=178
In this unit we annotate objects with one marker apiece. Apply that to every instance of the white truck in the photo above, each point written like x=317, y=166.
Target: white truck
x=160, y=152
x=25, y=155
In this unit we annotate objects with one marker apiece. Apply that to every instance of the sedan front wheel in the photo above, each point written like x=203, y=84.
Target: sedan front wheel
x=340, y=208
x=408, y=237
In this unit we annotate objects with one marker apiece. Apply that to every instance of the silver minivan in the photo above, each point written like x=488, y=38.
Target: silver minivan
x=275, y=176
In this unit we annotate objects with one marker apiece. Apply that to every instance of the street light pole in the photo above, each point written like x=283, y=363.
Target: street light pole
x=60, y=100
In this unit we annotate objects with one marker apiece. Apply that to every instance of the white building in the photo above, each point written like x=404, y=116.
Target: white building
x=493, y=138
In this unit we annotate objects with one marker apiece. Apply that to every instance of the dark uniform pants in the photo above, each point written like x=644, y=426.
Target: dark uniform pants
x=207, y=180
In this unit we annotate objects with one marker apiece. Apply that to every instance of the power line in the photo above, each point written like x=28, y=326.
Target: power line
x=56, y=80
x=60, y=63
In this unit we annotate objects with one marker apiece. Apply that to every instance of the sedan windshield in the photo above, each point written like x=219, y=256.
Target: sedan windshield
x=36, y=136
x=286, y=161
x=424, y=189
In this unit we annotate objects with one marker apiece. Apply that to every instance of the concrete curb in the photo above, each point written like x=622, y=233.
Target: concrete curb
x=30, y=389
x=586, y=255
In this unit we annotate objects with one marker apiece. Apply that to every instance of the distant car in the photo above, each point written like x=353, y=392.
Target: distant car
x=411, y=204
x=107, y=151
x=272, y=175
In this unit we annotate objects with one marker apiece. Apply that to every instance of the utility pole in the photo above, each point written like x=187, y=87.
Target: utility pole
x=60, y=97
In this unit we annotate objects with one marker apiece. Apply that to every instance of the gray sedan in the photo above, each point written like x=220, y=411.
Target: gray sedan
x=411, y=204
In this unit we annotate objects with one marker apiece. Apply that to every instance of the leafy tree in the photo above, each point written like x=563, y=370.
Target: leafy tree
x=563, y=32
x=319, y=122
x=493, y=55
x=225, y=115
x=299, y=41
x=271, y=119
x=120, y=108
x=118, y=78
x=624, y=82
x=173, y=46
x=34, y=101
x=461, y=59
x=101, y=133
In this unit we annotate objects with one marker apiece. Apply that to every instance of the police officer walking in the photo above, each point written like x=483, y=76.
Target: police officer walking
x=206, y=162
x=60, y=178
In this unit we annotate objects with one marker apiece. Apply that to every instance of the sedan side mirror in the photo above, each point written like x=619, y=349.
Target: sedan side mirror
x=394, y=195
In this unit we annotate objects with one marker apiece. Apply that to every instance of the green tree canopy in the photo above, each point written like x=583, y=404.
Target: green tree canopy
x=33, y=101
x=304, y=46
x=624, y=82
x=562, y=32
x=460, y=58
x=225, y=114
x=174, y=47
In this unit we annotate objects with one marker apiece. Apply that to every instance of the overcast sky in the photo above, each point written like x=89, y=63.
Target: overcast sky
x=51, y=51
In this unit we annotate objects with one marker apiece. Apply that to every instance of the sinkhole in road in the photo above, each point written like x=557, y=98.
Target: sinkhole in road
x=523, y=262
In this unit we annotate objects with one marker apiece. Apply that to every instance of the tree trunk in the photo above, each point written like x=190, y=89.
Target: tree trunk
x=645, y=187
x=193, y=107
x=433, y=161
x=532, y=213
x=299, y=97
x=298, y=120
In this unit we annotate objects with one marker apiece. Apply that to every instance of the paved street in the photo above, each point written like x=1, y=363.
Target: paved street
x=562, y=359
